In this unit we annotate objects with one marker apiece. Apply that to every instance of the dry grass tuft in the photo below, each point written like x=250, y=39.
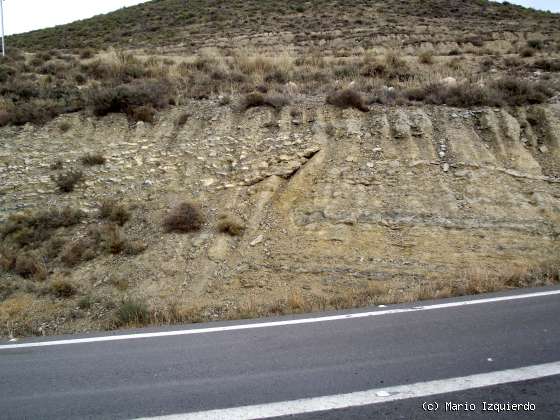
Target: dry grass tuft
x=132, y=313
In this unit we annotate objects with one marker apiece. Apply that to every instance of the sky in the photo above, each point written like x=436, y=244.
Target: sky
x=27, y=15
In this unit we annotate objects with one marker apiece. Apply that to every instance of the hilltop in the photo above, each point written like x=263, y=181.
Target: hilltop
x=184, y=161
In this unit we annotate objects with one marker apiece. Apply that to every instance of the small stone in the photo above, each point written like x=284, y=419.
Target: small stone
x=377, y=149
x=445, y=167
x=257, y=240
x=370, y=164
x=148, y=183
x=543, y=149
x=441, y=154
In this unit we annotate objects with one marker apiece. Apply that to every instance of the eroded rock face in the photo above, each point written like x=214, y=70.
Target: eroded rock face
x=339, y=198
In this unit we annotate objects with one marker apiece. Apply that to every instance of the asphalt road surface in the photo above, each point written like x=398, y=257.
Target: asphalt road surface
x=498, y=355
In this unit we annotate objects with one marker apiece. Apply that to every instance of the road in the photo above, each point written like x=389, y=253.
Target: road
x=396, y=362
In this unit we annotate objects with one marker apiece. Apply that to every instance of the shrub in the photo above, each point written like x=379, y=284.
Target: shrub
x=31, y=228
x=86, y=302
x=182, y=119
x=86, y=53
x=67, y=181
x=548, y=65
x=527, y=52
x=505, y=91
x=145, y=113
x=132, y=312
x=186, y=217
x=92, y=159
x=536, y=44
x=62, y=289
x=64, y=126
x=128, y=98
x=56, y=165
x=347, y=98
x=426, y=57
x=114, y=242
x=76, y=252
x=114, y=212
x=517, y=92
x=231, y=225
x=257, y=99
x=27, y=265
x=397, y=67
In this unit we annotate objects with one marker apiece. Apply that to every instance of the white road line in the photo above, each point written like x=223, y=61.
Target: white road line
x=278, y=323
x=373, y=396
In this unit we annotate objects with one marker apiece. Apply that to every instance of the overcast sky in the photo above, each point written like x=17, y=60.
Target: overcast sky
x=26, y=15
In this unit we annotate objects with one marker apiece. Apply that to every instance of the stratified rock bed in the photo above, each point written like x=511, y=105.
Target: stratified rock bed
x=332, y=200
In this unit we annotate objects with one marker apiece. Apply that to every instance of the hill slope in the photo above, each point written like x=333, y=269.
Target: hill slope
x=195, y=23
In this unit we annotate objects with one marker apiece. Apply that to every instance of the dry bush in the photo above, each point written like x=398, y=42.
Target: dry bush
x=114, y=212
x=347, y=98
x=426, y=57
x=257, y=99
x=86, y=53
x=76, y=252
x=536, y=44
x=505, y=91
x=57, y=165
x=67, y=181
x=552, y=65
x=185, y=217
x=64, y=126
x=32, y=228
x=92, y=159
x=113, y=241
x=527, y=52
x=129, y=98
x=182, y=119
x=145, y=113
x=230, y=224
x=62, y=289
x=30, y=266
x=397, y=68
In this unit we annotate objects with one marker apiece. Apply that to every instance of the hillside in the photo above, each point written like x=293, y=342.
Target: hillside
x=185, y=161
x=197, y=23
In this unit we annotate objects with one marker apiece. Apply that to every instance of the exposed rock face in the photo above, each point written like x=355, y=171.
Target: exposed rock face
x=336, y=199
